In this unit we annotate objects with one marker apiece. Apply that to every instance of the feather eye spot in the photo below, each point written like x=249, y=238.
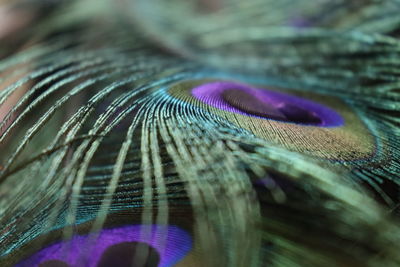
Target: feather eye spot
x=262, y=103
x=149, y=245
x=324, y=125
x=281, y=111
x=125, y=255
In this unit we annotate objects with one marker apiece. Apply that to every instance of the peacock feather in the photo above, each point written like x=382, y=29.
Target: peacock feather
x=199, y=133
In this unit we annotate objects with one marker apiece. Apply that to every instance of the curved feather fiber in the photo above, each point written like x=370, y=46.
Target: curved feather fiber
x=101, y=130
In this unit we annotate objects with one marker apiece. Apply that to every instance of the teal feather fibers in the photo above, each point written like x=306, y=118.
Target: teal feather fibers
x=96, y=139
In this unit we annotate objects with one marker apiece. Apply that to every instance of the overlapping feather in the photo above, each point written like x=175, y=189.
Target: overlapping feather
x=95, y=139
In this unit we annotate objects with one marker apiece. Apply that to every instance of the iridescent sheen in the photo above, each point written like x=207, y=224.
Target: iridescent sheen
x=304, y=122
x=242, y=99
x=171, y=243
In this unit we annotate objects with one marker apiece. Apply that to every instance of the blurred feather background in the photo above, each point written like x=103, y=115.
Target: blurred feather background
x=199, y=133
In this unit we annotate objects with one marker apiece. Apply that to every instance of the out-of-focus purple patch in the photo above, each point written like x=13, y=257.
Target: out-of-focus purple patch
x=171, y=244
x=300, y=22
x=261, y=103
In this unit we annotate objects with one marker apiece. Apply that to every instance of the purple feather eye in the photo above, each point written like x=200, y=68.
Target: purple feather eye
x=266, y=104
x=151, y=246
x=125, y=255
